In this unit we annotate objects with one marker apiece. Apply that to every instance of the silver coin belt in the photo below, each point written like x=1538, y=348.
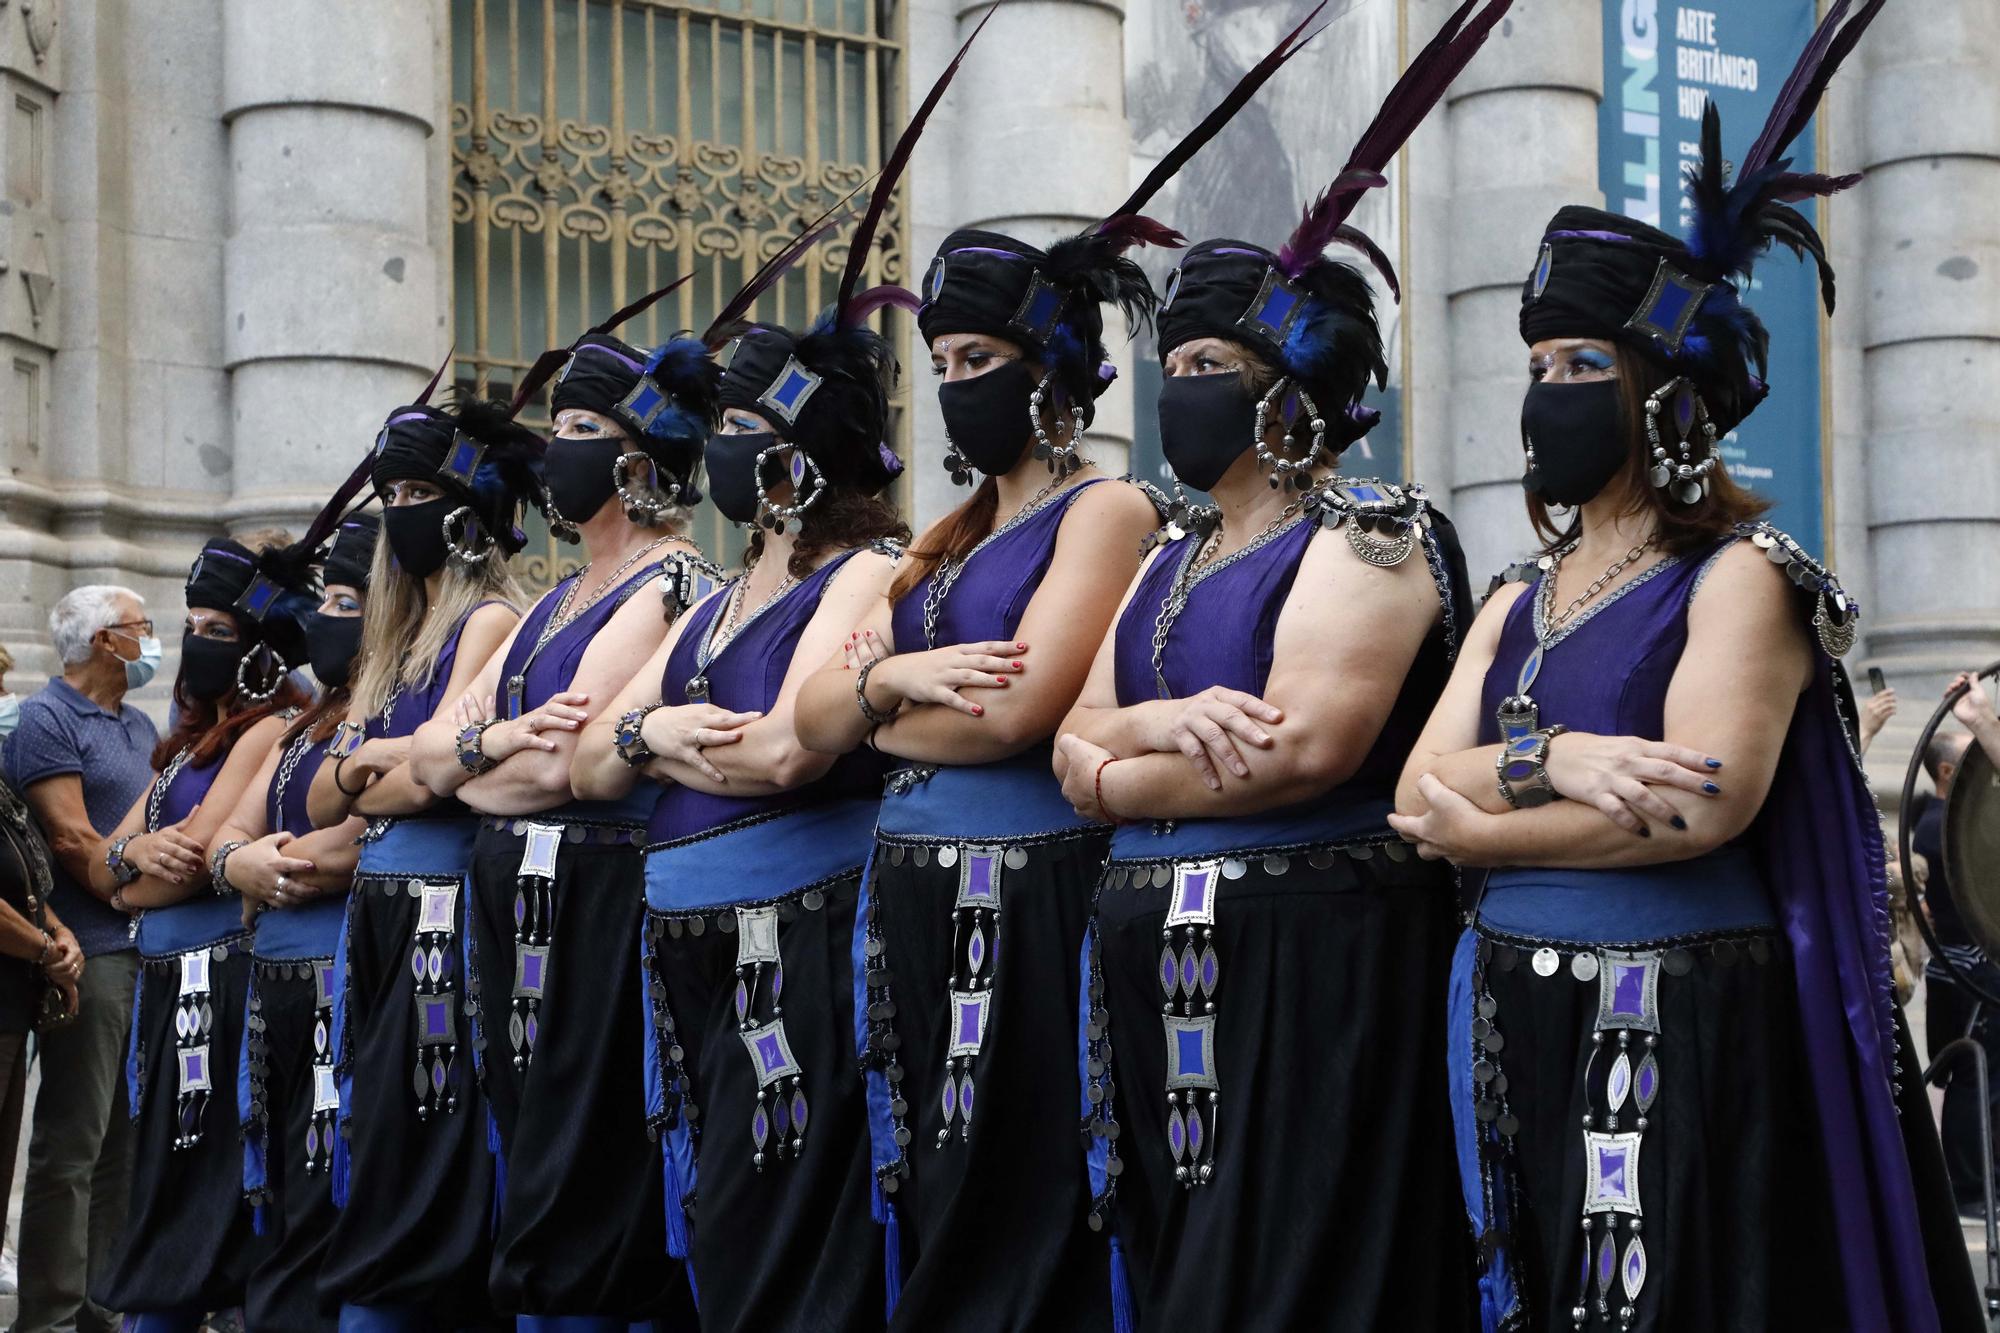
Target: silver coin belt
x=326, y=1101
x=781, y=1112
x=1621, y=1083
x=194, y=1024
x=434, y=962
x=981, y=872
x=1190, y=976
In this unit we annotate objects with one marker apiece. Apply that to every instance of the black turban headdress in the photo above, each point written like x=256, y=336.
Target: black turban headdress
x=826, y=390
x=475, y=452
x=1310, y=318
x=1675, y=299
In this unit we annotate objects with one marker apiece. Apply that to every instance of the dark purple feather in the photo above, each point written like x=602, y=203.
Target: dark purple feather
x=863, y=304
x=640, y=306
x=863, y=239
x=718, y=332
x=1415, y=93
x=547, y=364
x=436, y=375
x=1211, y=124
x=1348, y=234
x=1831, y=44
x=1125, y=230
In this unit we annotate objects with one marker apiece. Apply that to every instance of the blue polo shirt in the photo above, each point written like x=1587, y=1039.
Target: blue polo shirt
x=63, y=731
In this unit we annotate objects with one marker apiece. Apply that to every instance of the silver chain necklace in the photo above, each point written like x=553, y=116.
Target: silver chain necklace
x=564, y=615
x=723, y=630
x=1546, y=594
x=156, y=801
x=1185, y=580
x=947, y=571
x=295, y=754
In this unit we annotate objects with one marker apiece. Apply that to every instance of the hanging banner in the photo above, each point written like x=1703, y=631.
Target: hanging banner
x=1663, y=63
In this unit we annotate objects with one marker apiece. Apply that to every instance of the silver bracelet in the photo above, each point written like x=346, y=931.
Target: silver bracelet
x=218, y=878
x=1522, y=768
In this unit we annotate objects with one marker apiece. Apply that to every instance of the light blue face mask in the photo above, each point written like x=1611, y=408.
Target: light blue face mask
x=140, y=672
x=10, y=714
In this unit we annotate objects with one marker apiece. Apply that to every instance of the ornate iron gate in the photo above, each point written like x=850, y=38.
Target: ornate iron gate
x=600, y=148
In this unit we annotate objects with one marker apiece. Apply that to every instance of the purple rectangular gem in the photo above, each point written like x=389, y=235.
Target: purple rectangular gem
x=769, y=1053
x=1189, y=1051
x=1611, y=1171
x=196, y=1067
x=1194, y=890
x=979, y=876
x=968, y=1023
x=1628, y=993
x=531, y=971
x=434, y=1018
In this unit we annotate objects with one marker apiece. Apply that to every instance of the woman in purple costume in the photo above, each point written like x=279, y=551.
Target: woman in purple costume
x=187, y=1245
x=1684, y=1097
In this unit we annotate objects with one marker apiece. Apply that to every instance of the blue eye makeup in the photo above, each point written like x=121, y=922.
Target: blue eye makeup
x=1592, y=359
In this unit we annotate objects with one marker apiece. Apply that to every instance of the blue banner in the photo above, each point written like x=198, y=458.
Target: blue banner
x=1663, y=63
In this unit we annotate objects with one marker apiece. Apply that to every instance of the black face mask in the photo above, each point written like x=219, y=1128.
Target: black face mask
x=1576, y=433
x=416, y=535
x=332, y=643
x=732, y=472
x=1206, y=423
x=208, y=666
x=987, y=417
x=580, y=475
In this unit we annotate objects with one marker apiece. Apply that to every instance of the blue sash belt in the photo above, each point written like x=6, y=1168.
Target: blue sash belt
x=1005, y=801
x=1721, y=890
x=1308, y=824
x=760, y=862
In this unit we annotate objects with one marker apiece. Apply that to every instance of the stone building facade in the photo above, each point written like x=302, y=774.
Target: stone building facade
x=234, y=231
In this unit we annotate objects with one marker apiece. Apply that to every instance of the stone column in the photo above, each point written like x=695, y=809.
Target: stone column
x=1523, y=127
x=1928, y=293
x=1043, y=152
x=333, y=311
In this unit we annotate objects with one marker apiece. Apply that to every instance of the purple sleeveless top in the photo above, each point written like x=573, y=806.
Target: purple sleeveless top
x=747, y=676
x=205, y=917
x=1226, y=635
x=290, y=816
x=1607, y=672
x=550, y=671
x=410, y=708
x=999, y=579
x=528, y=678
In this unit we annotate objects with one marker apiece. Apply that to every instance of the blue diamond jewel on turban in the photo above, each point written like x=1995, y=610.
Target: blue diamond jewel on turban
x=1275, y=308
x=789, y=391
x=1543, y=267
x=1039, y=309
x=1670, y=305
x=463, y=460
x=644, y=403
x=258, y=598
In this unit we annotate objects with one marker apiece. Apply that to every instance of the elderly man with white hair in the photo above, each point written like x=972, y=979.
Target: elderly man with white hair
x=80, y=757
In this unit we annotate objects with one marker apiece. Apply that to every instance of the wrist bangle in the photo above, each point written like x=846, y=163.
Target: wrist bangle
x=218, y=878
x=471, y=747
x=1097, y=785
x=1522, y=768
x=48, y=947
x=122, y=871
x=338, y=765
x=875, y=716
x=629, y=736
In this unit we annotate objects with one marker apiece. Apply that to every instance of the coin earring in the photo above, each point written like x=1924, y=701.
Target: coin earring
x=1681, y=477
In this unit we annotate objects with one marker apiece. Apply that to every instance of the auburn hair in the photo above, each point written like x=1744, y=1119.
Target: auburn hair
x=1682, y=528
x=211, y=727
x=840, y=520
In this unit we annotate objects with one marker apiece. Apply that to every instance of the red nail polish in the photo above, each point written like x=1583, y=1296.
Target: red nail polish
x=977, y=711
x=1017, y=666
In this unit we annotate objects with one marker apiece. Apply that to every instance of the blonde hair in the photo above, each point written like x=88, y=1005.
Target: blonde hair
x=402, y=632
